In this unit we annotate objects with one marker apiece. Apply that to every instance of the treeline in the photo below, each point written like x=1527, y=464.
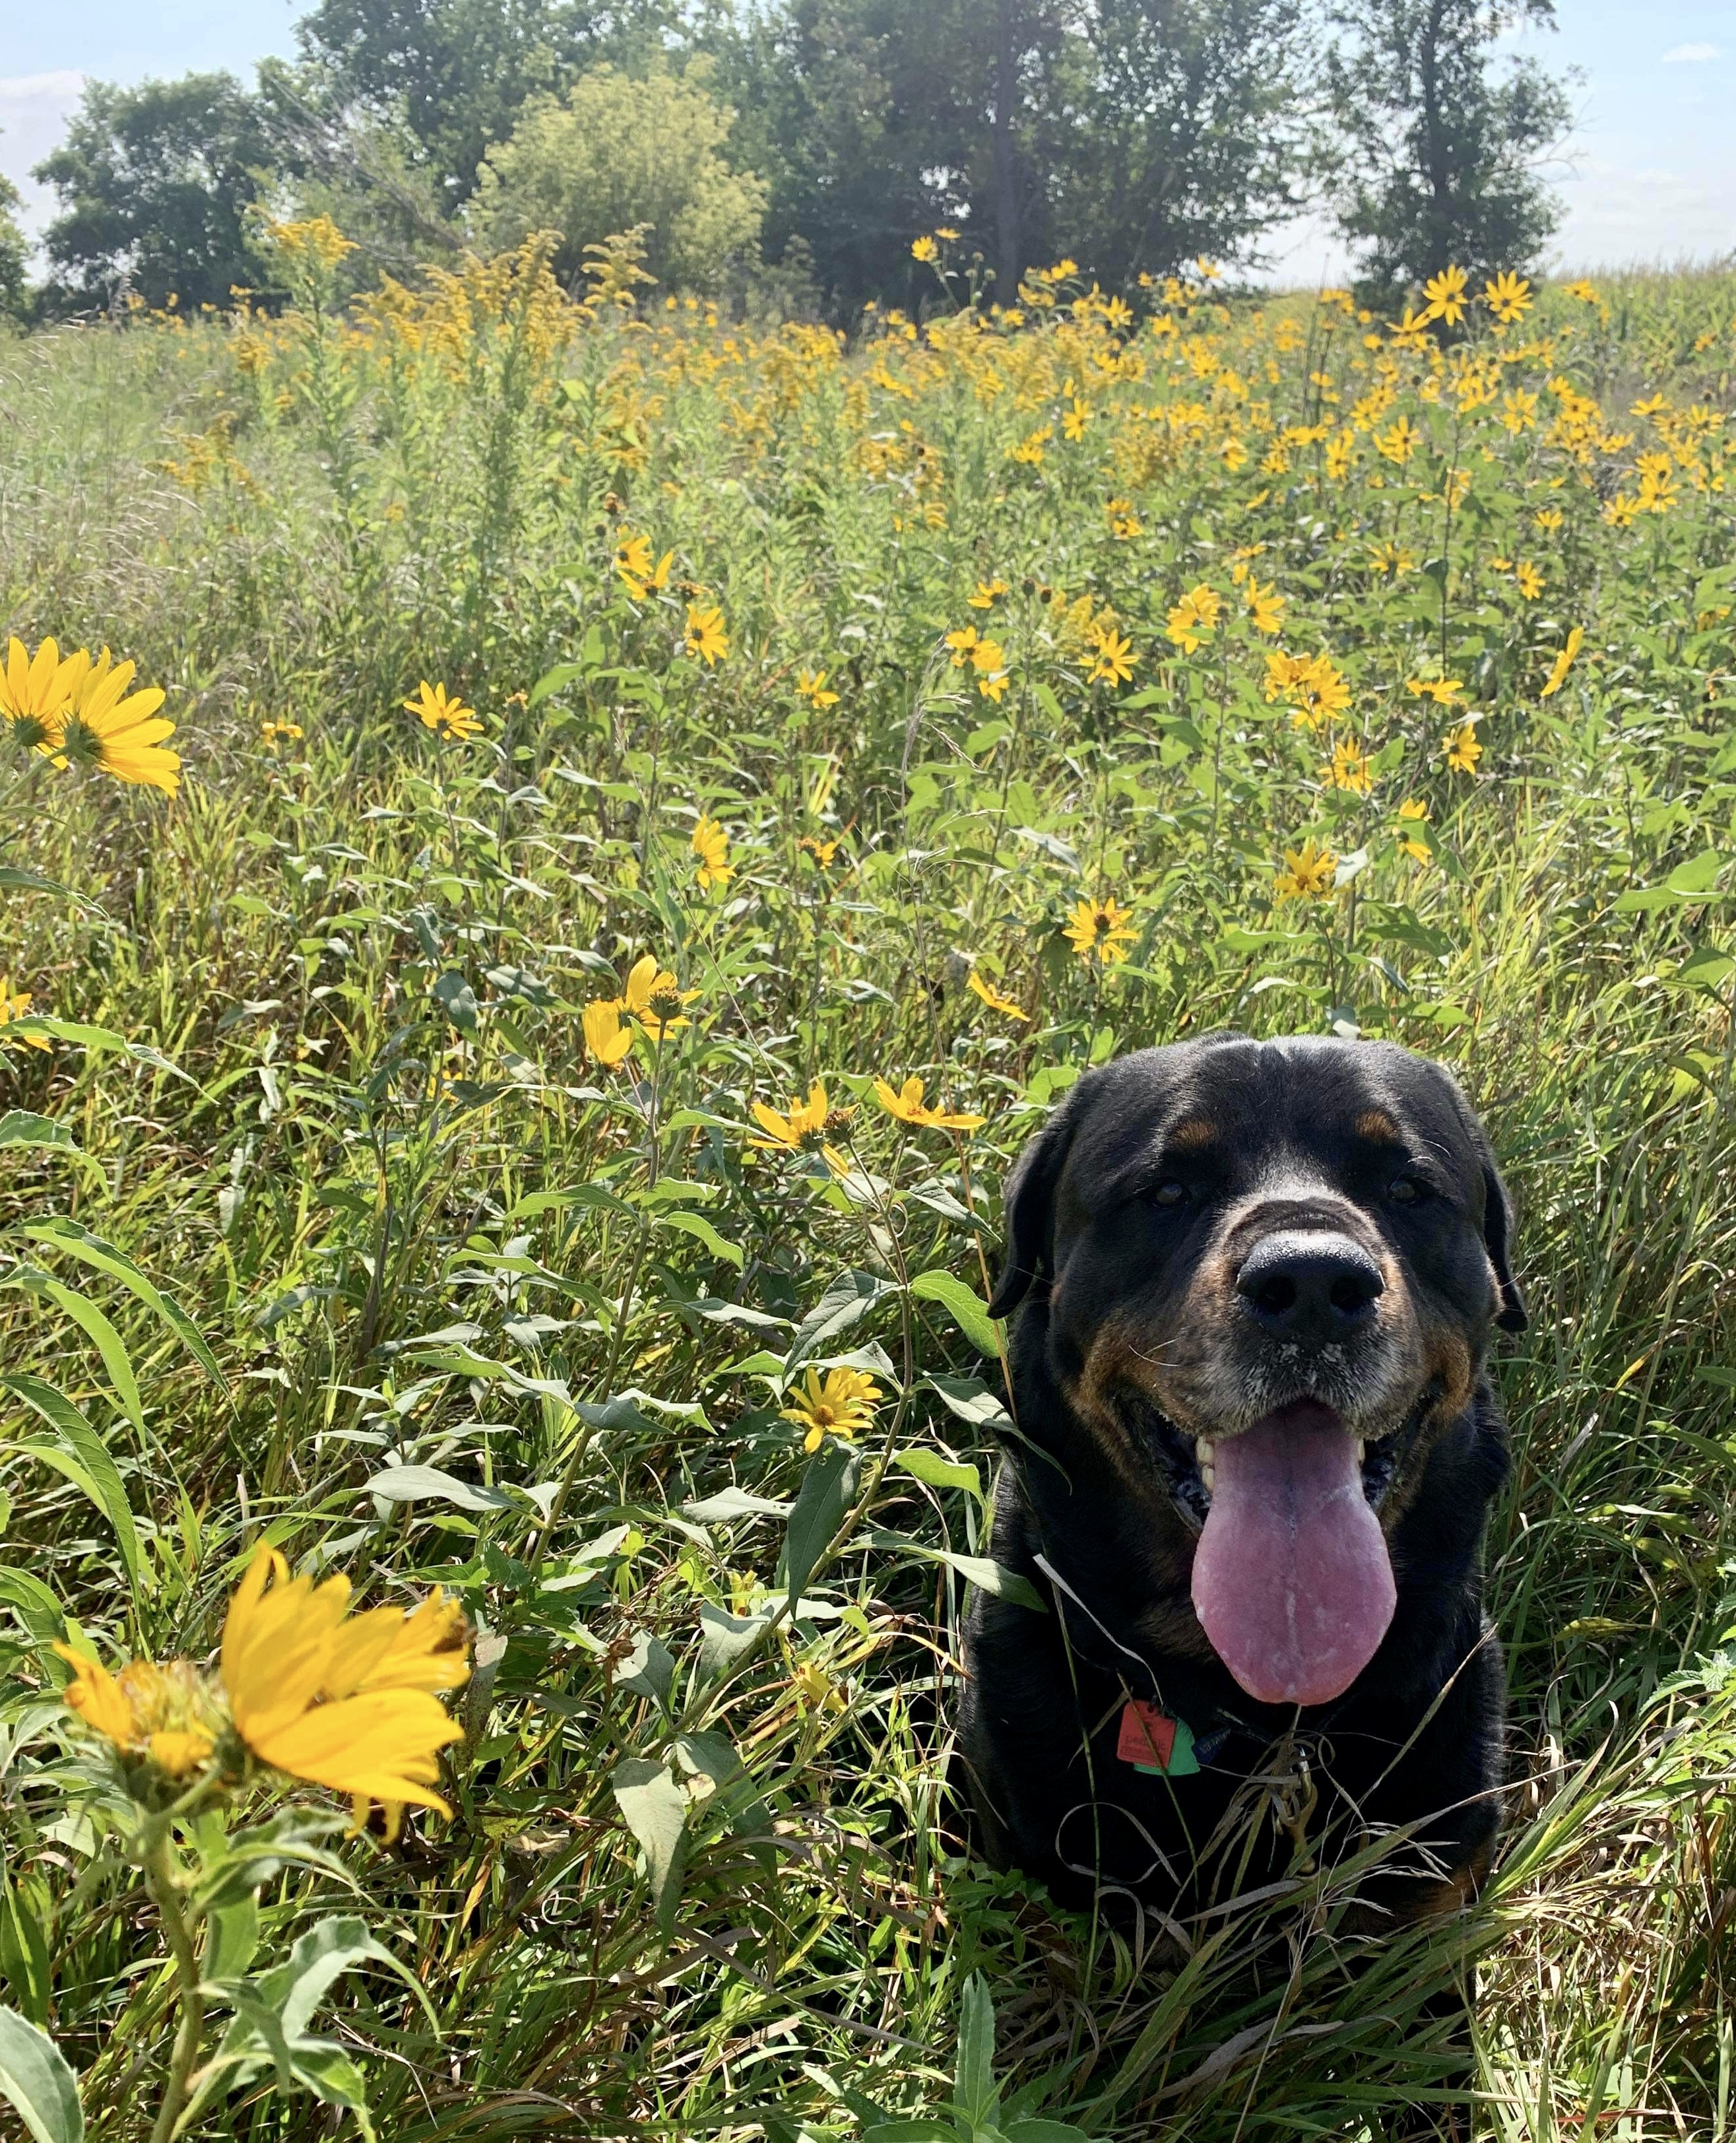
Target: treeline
x=795, y=149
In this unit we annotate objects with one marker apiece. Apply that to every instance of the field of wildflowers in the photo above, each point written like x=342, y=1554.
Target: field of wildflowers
x=505, y=1113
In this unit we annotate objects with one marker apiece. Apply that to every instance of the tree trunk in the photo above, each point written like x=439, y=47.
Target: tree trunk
x=1436, y=153
x=1009, y=220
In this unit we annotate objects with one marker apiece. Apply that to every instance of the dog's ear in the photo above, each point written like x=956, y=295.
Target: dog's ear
x=1030, y=1213
x=1497, y=1232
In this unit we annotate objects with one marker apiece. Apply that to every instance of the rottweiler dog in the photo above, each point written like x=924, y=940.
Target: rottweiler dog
x=1252, y=1443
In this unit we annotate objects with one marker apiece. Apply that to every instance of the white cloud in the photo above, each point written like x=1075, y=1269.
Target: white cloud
x=1677, y=54
x=34, y=109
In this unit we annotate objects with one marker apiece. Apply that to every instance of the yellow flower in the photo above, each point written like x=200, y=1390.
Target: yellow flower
x=1413, y=812
x=1529, y=579
x=924, y=249
x=1193, y=619
x=606, y=1038
x=1508, y=296
x=165, y=1710
x=710, y=843
x=1461, y=749
x=276, y=733
x=961, y=643
x=13, y=1005
x=633, y=562
x=823, y=851
x=803, y=1129
x=1348, y=768
x=1585, y=292
x=1400, y=442
x=1265, y=606
x=908, y=1106
x=654, y=998
x=1101, y=930
x=946, y=232
x=446, y=714
x=1307, y=875
x=705, y=635
x=1317, y=691
x=34, y=689
x=992, y=998
x=1029, y=449
x=346, y=1704
x=811, y=686
x=1391, y=558
x=1557, y=676
x=1115, y=658
x=1446, y=295
x=1442, y=691
x=1074, y=418
x=1549, y=519
x=988, y=594
x=842, y=1406
x=103, y=724
x=990, y=664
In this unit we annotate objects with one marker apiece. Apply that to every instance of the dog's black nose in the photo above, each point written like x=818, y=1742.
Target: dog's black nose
x=1307, y=1285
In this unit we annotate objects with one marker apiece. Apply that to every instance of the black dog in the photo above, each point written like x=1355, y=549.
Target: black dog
x=1254, y=1447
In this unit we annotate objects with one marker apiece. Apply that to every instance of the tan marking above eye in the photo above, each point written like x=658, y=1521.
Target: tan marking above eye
x=1376, y=1124
x=1192, y=1133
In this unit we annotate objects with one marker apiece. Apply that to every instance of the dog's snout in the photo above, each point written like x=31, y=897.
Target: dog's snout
x=1310, y=1286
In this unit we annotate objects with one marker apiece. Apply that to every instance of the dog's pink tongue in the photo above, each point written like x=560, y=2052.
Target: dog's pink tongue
x=1292, y=1581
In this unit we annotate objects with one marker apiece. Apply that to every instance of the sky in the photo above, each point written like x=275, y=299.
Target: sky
x=1650, y=173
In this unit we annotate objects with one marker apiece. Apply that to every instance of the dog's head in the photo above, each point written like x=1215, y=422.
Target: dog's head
x=1270, y=1272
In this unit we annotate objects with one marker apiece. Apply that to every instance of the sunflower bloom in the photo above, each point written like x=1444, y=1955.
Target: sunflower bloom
x=633, y=562
x=992, y=998
x=654, y=998
x=1265, y=607
x=842, y=1406
x=1461, y=750
x=606, y=1038
x=102, y=724
x=34, y=689
x=1349, y=767
x=274, y=733
x=962, y=644
x=988, y=594
x=347, y=1704
x=1413, y=813
x=924, y=249
x=1101, y=930
x=1442, y=691
x=905, y=1103
x=1563, y=663
x=1308, y=873
x=443, y=713
x=1529, y=580
x=1508, y=296
x=1115, y=659
x=811, y=686
x=803, y=1129
x=1191, y=621
x=705, y=636
x=160, y=1710
x=710, y=843
x=990, y=664
x=13, y=1005
x=1446, y=295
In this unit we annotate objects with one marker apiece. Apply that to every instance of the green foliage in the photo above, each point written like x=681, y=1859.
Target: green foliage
x=1438, y=147
x=494, y=1312
x=14, y=252
x=615, y=153
x=153, y=183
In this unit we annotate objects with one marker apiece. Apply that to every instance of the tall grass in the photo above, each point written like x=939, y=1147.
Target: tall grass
x=354, y=1131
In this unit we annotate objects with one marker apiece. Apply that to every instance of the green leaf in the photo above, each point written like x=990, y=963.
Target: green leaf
x=714, y=1756
x=24, y=1127
x=973, y=2090
x=701, y=1230
x=1696, y=877
x=962, y=1304
x=234, y=1936
x=723, y=1638
x=655, y=1809
x=551, y=680
x=63, y=1235
x=65, y=1030
x=981, y=1571
x=938, y=1472
x=35, y=2077
x=972, y=1401
x=14, y=879
x=416, y=1484
x=829, y=1488
x=734, y=1504
x=116, y=1359
x=848, y=1299
x=90, y=1468
x=42, y=1613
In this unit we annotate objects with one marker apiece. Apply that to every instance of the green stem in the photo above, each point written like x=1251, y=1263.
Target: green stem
x=162, y=1882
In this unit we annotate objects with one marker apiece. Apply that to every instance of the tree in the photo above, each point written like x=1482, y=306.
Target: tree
x=1438, y=153
x=1191, y=137
x=456, y=74
x=153, y=184
x=616, y=153
x=14, y=252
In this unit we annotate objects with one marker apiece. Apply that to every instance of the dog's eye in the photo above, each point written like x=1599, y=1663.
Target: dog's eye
x=1409, y=1190
x=1170, y=1192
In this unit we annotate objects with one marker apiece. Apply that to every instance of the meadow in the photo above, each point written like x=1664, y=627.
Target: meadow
x=458, y=1130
